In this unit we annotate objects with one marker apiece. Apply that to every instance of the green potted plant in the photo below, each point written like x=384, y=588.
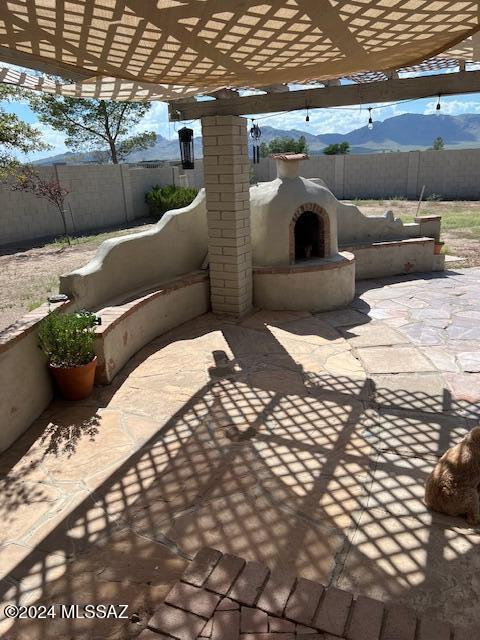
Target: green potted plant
x=68, y=342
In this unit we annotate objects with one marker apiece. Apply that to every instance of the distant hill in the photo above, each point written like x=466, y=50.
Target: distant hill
x=399, y=133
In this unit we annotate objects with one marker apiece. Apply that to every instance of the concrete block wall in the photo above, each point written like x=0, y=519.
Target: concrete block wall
x=227, y=187
x=378, y=175
x=143, y=179
x=110, y=195
x=100, y=196
x=97, y=196
x=452, y=174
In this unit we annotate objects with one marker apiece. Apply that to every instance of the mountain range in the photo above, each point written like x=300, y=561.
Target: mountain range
x=405, y=132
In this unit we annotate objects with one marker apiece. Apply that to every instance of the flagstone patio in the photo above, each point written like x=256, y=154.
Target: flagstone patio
x=299, y=441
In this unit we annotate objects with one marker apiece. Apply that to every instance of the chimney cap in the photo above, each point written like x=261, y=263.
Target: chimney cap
x=289, y=157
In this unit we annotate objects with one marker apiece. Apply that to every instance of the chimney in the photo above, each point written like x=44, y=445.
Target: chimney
x=288, y=164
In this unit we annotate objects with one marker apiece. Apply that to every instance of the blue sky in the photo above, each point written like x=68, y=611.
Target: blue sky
x=321, y=120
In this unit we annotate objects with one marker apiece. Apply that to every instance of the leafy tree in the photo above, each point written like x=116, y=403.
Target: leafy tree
x=92, y=124
x=140, y=142
x=336, y=149
x=15, y=135
x=283, y=145
x=438, y=144
x=29, y=181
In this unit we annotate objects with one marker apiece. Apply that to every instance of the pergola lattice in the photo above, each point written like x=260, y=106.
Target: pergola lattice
x=136, y=50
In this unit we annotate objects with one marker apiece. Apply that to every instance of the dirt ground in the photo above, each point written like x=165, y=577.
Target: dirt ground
x=460, y=223
x=29, y=275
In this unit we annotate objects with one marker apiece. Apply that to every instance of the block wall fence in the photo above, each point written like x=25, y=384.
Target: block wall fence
x=454, y=175
x=103, y=196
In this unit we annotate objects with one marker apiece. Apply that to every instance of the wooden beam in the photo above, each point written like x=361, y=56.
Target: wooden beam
x=363, y=93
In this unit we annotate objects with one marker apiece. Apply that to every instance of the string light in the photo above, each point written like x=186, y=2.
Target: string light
x=370, y=121
x=370, y=109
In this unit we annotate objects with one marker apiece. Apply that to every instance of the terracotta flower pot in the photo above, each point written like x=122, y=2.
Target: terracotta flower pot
x=75, y=383
x=438, y=248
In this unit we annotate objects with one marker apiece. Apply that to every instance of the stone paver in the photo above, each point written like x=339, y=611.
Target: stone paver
x=280, y=439
x=198, y=601
x=367, y=618
x=249, y=583
x=303, y=601
x=373, y=334
x=253, y=620
x=276, y=592
x=176, y=622
x=224, y=574
x=400, y=624
x=394, y=360
x=333, y=611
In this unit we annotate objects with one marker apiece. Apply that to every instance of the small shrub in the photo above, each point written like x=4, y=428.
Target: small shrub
x=68, y=339
x=434, y=197
x=162, y=199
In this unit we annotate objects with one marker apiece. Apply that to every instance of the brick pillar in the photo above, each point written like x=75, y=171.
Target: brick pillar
x=227, y=184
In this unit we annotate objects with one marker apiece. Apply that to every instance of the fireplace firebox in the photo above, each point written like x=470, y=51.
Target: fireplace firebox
x=309, y=232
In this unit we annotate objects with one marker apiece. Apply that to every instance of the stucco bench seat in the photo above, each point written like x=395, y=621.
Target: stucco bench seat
x=128, y=326
x=395, y=257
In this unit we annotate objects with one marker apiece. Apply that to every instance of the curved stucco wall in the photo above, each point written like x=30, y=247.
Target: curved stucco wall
x=273, y=205
x=355, y=227
x=322, y=285
x=176, y=245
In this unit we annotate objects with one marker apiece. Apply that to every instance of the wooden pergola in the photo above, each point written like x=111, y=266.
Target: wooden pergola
x=393, y=89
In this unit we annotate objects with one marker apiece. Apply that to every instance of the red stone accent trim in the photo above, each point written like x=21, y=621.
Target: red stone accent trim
x=289, y=157
x=386, y=243
x=324, y=220
x=426, y=218
x=111, y=316
x=28, y=323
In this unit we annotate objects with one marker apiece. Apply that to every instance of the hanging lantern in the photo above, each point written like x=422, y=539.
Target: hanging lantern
x=185, y=137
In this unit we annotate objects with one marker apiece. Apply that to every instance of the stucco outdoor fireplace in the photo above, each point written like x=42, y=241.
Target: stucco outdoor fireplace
x=296, y=262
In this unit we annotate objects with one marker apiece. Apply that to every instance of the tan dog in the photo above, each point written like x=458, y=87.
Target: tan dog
x=453, y=485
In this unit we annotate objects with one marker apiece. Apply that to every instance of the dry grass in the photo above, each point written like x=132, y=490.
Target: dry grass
x=29, y=275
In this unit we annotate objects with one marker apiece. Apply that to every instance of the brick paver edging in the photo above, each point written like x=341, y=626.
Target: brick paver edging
x=223, y=597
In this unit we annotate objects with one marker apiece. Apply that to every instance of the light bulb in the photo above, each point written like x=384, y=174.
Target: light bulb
x=370, y=125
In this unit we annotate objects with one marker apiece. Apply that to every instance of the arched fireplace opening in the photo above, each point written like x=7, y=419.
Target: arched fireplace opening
x=309, y=233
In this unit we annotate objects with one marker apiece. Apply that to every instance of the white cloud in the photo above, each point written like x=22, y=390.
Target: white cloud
x=334, y=120
x=453, y=106
x=50, y=136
